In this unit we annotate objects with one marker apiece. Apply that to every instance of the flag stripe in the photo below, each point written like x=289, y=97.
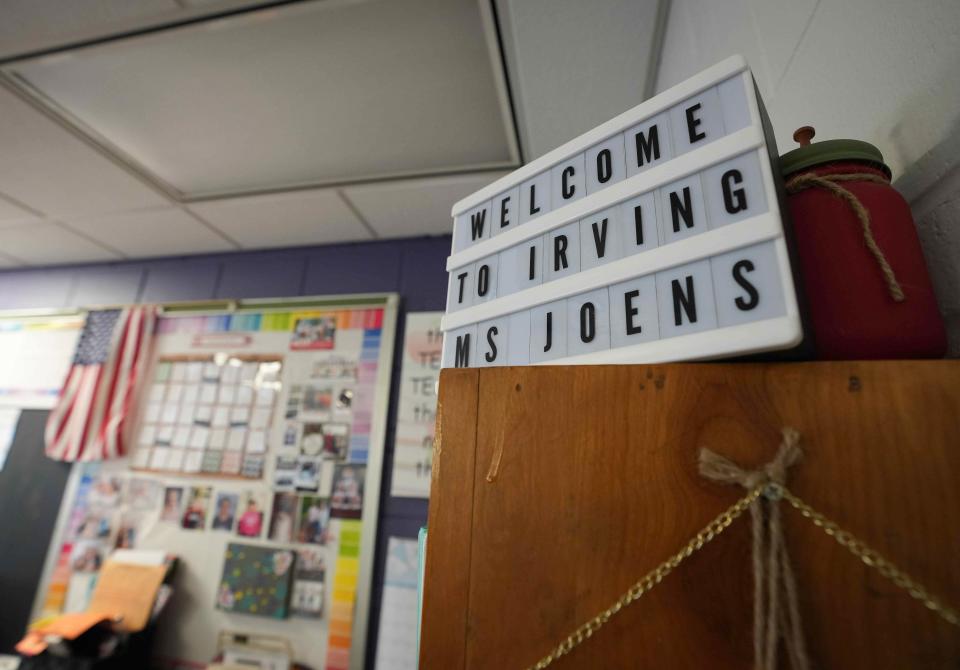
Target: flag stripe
x=59, y=417
x=93, y=409
x=94, y=377
x=104, y=389
x=113, y=434
x=141, y=355
x=121, y=339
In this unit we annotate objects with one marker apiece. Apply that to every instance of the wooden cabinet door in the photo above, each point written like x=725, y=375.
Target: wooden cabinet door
x=556, y=488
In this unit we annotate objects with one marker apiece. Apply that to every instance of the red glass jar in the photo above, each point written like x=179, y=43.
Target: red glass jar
x=866, y=299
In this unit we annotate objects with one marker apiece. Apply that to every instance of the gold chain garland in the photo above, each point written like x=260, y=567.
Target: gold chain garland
x=773, y=491
x=874, y=560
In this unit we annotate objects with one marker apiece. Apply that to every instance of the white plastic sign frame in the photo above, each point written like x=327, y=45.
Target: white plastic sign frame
x=657, y=236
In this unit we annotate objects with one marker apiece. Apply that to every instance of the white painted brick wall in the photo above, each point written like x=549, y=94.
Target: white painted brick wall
x=884, y=71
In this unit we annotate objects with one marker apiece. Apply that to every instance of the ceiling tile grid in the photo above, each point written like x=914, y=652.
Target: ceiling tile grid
x=50, y=243
x=311, y=93
x=220, y=135
x=163, y=231
x=298, y=218
x=414, y=207
x=48, y=168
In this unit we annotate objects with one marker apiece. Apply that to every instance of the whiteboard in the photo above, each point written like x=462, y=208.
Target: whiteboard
x=189, y=629
x=35, y=355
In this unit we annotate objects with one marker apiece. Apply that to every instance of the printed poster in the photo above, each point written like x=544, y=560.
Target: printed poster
x=397, y=641
x=417, y=409
x=35, y=356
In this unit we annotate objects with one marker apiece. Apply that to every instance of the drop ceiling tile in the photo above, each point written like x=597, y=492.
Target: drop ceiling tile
x=414, y=207
x=284, y=220
x=303, y=94
x=33, y=25
x=580, y=67
x=165, y=231
x=15, y=223
x=51, y=170
x=29, y=25
x=50, y=244
x=11, y=211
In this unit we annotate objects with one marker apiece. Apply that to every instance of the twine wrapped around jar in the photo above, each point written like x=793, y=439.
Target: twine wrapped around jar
x=829, y=183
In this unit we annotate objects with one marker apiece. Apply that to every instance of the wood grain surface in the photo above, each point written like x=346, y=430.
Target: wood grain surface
x=556, y=488
x=451, y=510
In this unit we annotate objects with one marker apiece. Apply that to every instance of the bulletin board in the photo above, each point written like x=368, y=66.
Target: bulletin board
x=259, y=437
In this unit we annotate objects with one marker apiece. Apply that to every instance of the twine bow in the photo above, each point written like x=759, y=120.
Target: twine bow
x=772, y=572
x=771, y=567
x=829, y=182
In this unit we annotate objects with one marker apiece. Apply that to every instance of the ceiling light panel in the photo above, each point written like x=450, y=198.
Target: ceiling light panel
x=311, y=93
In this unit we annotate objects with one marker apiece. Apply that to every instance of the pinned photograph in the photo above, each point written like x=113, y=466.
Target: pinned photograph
x=285, y=473
x=336, y=440
x=143, y=494
x=291, y=433
x=317, y=398
x=314, y=333
x=308, y=473
x=294, y=399
x=87, y=556
x=172, y=501
x=106, y=491
x=198, y=502
x=311, y=443
x=328, y=439
x=250, y=522
x=283, y=517
x=225, y=511
x=346, y=501
x=314, y=520
x=334, y=367
x=95, y=525
x=127, y=531
x=308, y=583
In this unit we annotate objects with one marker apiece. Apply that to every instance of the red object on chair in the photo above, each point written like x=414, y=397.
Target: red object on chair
x=867, y=289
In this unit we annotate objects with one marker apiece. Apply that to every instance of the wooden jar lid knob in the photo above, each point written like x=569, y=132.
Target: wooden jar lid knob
x=803, y=135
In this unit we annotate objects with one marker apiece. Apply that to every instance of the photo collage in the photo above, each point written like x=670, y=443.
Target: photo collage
x=109, y=512
x=209, y=416
x=312, y=484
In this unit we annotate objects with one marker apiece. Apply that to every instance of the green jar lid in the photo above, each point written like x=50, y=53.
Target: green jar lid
x=809, y=155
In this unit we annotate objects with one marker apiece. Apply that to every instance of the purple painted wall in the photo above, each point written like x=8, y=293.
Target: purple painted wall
x=412, y=267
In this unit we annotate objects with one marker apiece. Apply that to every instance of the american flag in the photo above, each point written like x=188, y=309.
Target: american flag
x=95, y=404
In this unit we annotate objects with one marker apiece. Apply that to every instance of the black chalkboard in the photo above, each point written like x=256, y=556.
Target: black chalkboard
x=31, y=486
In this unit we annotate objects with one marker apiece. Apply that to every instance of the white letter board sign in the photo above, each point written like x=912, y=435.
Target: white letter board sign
x=656, y=236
